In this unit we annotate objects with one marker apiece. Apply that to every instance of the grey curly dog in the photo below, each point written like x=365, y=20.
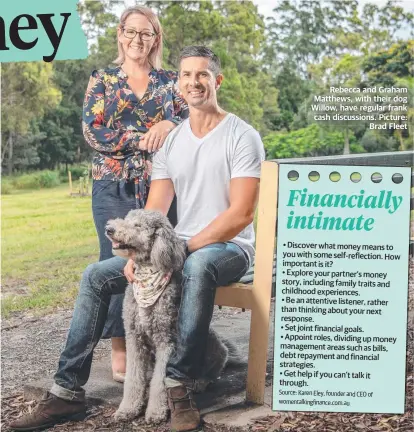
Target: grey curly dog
x=148, y=238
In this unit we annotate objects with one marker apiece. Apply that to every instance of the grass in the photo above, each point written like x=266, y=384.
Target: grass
x=48, y=238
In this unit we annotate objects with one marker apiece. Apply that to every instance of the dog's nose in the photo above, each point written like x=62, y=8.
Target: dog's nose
x=110, y=230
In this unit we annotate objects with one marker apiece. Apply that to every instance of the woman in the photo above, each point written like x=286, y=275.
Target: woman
x=128, y=112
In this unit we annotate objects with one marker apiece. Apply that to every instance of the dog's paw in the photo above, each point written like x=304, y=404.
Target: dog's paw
x=126, y=414
x=157, y=416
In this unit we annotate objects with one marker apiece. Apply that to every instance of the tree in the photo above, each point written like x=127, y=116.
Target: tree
x=235, y=31
x=187, y=23
x=96, y=16
x=385, y=67
x=302, y=31
x=292, y=92
x=340, y=117
x=373, y=141
x=379, y=26
x=28, y=91
x=299, y=35
x=64, y=140
x=341, y=71
x=271, y=72
x=403, y=135
x=307, y=142
x=314, y=44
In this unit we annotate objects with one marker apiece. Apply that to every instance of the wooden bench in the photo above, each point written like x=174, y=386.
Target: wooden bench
x=257, y=297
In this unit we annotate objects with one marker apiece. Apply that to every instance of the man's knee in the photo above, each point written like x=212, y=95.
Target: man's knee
x=199, y=265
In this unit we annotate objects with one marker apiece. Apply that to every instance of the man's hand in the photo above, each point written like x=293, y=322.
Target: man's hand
x=129, y=271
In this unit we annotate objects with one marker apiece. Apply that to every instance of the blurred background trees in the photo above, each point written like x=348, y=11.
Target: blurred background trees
x=272, y=67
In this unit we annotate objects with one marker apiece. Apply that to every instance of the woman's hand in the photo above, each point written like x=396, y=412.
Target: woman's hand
x=155, y=137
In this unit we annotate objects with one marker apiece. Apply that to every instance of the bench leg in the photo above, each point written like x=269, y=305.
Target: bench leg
x=256, y=371
x=262, y=283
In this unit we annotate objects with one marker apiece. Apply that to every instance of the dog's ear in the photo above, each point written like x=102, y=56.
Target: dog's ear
x=168, y=250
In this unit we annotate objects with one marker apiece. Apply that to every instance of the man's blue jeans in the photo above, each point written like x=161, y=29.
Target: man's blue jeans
x=204, y=270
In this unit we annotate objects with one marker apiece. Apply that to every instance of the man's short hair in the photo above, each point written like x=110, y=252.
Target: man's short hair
x=202, y=51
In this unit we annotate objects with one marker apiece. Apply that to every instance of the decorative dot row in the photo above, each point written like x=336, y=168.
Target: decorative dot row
x=355, y=177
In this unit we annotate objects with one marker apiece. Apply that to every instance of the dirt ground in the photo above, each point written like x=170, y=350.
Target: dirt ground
x=31, y=346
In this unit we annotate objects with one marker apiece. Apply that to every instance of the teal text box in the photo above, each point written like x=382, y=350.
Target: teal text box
x=53, y=31
x=341, y=289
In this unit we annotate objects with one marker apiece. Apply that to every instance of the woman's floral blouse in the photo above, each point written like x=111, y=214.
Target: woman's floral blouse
x=114, y=120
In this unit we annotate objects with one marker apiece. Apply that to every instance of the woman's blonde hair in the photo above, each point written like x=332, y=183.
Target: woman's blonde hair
x=155, y=55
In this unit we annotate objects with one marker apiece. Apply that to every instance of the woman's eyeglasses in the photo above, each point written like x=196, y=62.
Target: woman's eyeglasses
x=131, y=33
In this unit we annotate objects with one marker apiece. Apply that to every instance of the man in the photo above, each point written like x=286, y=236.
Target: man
x=212, y=163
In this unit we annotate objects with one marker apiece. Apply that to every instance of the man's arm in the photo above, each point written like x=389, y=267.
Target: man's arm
x=161, y=195
x=161, y=192
x=160, y=198
x=244, y=194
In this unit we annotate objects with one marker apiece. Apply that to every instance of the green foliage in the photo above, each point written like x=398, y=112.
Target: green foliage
x=300, y=32
x=76, y=171
x=385, y=67
x=37, y=180
x=336, y=43
x=64, y=142
x=292, y=92
x=6, y=187
x=45, y=179
x=344, y=70
x=236, y=33
x=346, y=127
x=34, y=80
x=378, y=26
x=25, y=181
x=373, y=141
x=271, y=68
x=48, y=179
x=97, y=16
x=307, y=142
x=188, y=23
x=28, y=92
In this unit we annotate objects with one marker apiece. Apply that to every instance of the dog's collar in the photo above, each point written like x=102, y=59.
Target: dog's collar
x=149, y=284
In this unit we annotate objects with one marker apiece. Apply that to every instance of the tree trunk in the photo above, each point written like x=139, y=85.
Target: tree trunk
x=4, y=150
x=400, y=138
x=346, y=142
x=10, y=161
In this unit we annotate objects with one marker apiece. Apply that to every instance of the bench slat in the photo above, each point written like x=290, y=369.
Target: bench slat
x=235, y=295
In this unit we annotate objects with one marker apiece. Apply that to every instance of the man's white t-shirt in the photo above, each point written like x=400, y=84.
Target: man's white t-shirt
x=201, y=170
